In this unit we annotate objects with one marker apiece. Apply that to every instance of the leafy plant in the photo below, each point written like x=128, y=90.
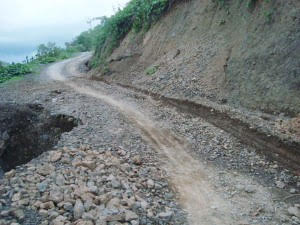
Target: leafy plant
x=151, y=70
x=12, y=70
x=46, y=53
x=138, y=15
x=251, y=4
x=268, y=15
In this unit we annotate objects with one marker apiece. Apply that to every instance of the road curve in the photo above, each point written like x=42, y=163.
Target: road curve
x=189, y=176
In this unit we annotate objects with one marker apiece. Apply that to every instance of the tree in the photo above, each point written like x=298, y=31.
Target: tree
x=42, y=50
x=48, y=50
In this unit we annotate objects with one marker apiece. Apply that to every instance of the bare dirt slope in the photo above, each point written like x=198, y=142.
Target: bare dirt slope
x=241, y=53
x=135, y=161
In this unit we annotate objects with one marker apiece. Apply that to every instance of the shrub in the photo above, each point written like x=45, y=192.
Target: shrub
x=138, y=15
x=151, y=70
x=47, y=59
x=12, y=70
x=45, y=54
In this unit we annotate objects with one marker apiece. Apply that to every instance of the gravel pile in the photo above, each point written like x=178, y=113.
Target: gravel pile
x=85, y=187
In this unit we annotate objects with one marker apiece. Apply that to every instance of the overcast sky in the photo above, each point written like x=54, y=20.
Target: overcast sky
x=26, y=23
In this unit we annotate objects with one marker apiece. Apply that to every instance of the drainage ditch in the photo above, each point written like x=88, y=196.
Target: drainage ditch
x=28, y=130
x=287, y=153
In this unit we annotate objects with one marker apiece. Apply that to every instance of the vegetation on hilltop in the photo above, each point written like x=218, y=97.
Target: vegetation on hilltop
x=46, y=53
x=138, y=15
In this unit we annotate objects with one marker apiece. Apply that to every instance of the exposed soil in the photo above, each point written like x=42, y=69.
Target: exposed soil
x=221, y=51
x=227, y=63
x=27, y=131
x=284, y=151
x=187, y=170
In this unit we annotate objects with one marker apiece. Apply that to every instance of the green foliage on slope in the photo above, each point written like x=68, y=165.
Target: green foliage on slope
x=12, y=70
x=51, y=53
x=46, y=53
x=138, y=15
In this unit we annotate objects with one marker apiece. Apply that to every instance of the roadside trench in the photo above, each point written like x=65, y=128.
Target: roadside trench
x=189, y=176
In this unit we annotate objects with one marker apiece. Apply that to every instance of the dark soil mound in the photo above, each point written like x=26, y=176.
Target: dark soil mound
x=28, y=130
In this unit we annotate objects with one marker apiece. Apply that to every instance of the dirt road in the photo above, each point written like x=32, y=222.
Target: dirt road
x=217, y=179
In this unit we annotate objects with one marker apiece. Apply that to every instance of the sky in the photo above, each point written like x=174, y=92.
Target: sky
x=24, y=24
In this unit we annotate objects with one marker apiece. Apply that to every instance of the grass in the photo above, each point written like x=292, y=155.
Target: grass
x=13, y=79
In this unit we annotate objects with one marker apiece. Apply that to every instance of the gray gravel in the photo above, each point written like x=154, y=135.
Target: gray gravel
x=108, y=143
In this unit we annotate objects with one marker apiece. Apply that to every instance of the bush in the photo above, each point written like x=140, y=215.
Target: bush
x=151, y=70
x=138, y=15
x=12, y=70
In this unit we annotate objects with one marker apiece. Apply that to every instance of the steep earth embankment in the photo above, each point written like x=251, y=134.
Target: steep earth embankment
x=244, y=53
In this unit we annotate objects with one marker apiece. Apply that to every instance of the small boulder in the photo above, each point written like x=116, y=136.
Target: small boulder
x=47, y=205
x=280, y=184
x=150, y=183
x=10, y=174
x=60, y=180
x=46, y=170
x=294, y=211
x=137, y=160
x=83, y=222
x=16, y=197
x=42, y=187
x=60, y=220
x=165, y=215
x=78, y=209
x=55, y=156
x=129, y=215
x=56, y=195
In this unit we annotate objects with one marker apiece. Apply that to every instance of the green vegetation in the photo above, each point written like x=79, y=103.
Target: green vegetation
x=137, y=16
x=151, y=70
x=268, y=15
x=87, y=40
x=51, y=53
x=45, y=54
x=251, y=4
x=9, y=71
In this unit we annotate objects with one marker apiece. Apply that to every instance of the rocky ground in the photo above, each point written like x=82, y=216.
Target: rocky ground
x=109, y=170
x=19, y=123
x=85, y=186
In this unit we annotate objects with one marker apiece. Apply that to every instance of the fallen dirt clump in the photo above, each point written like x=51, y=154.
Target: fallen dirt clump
x=28, y=130
x=85, y=186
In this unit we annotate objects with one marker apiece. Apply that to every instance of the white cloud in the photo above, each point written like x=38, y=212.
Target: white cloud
x=25, y=20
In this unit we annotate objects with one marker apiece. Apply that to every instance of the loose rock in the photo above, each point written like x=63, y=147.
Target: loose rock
x=78, y=209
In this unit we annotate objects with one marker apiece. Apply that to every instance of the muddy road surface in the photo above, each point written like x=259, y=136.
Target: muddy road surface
x=206, y=175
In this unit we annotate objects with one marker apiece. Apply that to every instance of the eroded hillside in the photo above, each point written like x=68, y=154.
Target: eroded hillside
x=244, y=53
